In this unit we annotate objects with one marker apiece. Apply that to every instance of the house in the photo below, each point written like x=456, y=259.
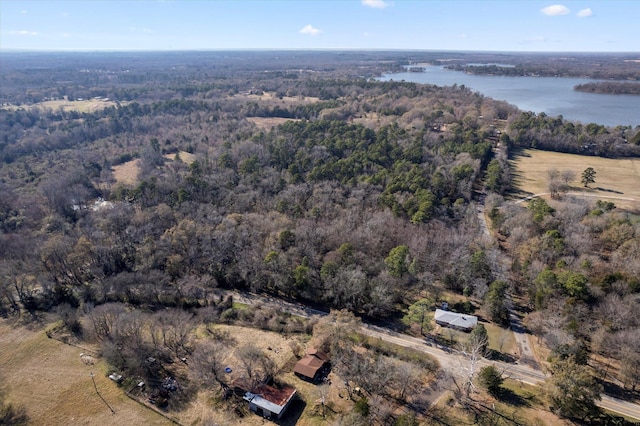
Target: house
x=454, y=320
x=311, y=367
x=270, y=402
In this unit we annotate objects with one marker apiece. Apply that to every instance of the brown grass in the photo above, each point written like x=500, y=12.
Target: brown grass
x=89, y=105
x=185, y=157
x=127, y=173
x=617, y=180
x=267, y=123
x=496, y=333
x=49, y=379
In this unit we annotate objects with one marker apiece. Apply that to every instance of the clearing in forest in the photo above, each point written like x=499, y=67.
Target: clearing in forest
x=87, y=105
x=617, y=180
x=267, y=123
x=127, y=173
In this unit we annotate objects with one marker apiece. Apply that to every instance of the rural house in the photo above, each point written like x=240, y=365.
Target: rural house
x=311, y=367
x=454, y=320
x=270, y=402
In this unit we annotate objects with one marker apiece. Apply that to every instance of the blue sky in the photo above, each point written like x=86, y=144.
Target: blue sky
x=504, y=25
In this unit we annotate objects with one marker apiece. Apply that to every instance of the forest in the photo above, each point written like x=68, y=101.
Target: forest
x=615, y=88
x=298, y=176
x=604, y=66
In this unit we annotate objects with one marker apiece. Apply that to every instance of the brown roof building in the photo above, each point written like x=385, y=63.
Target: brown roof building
x=311, y=366
x=269, y=401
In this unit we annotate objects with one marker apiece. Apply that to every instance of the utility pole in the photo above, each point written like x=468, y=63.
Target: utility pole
x=98, y=393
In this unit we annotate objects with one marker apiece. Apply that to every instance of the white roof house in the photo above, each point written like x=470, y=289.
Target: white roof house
x=455, y=320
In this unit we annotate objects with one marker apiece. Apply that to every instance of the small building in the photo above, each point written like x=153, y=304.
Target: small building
x=455, y=320
x=270, y=402
x=312, y=366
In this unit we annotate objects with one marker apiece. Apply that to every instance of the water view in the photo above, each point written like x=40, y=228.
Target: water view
x=552, y=95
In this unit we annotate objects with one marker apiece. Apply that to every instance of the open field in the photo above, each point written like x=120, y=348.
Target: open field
x=88, y=105
x=127, y=173
x=50, y=380
x=617, y=180
x=267, y=123
x=185, y=157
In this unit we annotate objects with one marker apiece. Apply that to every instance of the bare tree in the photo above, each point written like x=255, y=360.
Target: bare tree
x=104, y=317
x=176, y=326
x=207, y=364
x=473, y=350
x=567, y=177
x=257, y=365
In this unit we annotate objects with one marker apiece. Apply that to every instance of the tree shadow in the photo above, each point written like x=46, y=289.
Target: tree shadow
x=510, y=397
x=495, y=355
x=609, y=190
x=619, y=392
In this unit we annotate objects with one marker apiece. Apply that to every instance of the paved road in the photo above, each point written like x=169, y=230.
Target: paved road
x=447, y=358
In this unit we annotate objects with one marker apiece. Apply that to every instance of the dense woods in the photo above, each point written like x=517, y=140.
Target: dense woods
x=615, y=88
x=301, y=178
x=606, y=66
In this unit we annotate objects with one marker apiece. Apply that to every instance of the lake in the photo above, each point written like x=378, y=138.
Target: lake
x=552, y=95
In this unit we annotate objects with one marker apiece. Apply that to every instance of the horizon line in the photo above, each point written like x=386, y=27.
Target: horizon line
x=295, y=49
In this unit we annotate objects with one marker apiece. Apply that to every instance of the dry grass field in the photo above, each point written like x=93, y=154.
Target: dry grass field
x=88, y=105
x=50, y=380
x=617, y=180
x=267, y=123
x=185, y=157
x=127, y=173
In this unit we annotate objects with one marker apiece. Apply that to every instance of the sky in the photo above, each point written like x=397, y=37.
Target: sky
x=499, y=25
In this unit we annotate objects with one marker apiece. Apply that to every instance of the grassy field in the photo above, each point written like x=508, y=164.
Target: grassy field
x=267, y=123
x=88, y=105
x=127, y=173
x=500, y=339
x=50, y=380
x=617, y=180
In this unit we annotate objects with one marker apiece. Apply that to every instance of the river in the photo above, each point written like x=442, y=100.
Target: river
x=552, y=95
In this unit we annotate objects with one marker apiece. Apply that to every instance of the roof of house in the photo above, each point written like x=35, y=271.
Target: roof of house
x=269, y=398
x=318, y=354
x=309, y=364
x=455, y=319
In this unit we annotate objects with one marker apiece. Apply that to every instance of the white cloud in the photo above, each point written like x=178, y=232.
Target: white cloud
x=24, y=11
x=24, y=33
x=378, y=4
x=310, y=30
x=585, y=12
x=555, y=10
